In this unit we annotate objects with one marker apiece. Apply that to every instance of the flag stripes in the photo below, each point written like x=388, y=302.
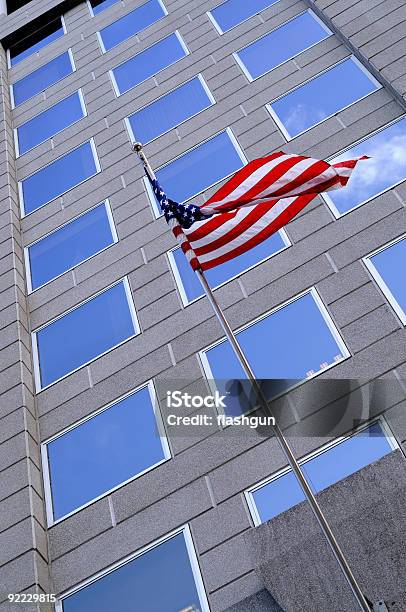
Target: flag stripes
x=214, y=243
x=252, y=205
x=279, y=175
x=185, y=245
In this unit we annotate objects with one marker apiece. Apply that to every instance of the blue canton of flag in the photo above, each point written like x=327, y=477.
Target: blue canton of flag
x=185, y=214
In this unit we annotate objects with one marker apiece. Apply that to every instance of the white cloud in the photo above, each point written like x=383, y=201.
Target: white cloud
x=387, y=165
x=301, y=117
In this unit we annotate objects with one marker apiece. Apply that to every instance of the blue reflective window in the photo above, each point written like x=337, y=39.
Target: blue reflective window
x=322, y=97
x=98, y=6
x=147, y=63
x=70, y=245
x=45, y=125
x=58, y=177
x=170, y=110
x=43, y=77
x=191, y=287
x=39, y=38
x=233, y=12
x=134, y=586
x=387, y=150
x=85, y=333
x=280, y=349
x=282, y=44
x=139, y=19
x=324, y=470
x=103, y=452
x=387, y=267
x=200, y=168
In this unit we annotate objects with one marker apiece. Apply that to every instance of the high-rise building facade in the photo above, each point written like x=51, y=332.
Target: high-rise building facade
x=108, y=501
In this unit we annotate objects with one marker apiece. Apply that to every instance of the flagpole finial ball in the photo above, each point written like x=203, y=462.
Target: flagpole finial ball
x=137, y=146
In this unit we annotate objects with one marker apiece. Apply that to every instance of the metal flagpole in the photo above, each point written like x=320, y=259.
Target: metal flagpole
x=317, y=511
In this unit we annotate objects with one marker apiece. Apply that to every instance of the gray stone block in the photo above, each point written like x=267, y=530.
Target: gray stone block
x=355, y=507
x=79, y=528
x=260, y=602
x=226, y=563
x=343, y=282
x=225, y=521
x=131, y=534
x=370, y=328
x=13, y=450
x=236, y=476
x=356, y=304
x=235, y=592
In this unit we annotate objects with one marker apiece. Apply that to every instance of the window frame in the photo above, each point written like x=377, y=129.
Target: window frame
x=248, y=493
x=15, y=130
x=45, y=460
x=65, y=31
x=156, y=213
x=111, y=71
x=114, y=234
x=217, y=26
x=178, y=280
x=193, y=558
x=327, y=318
x=34, y=344
x=205, y=87
x=380, y=281
x=98, y=34
x=335, y=212
x=98, y=170
x=278, y=121
x=11, y=86
x=245, y=70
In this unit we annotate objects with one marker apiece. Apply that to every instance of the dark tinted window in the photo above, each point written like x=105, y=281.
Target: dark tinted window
x=322, y=97
x=159, y=580
x=39, y=38
x=103, y=452
x=199, y=168
x=388, y=269
x=280, y=348
x=48, y=123
x=139, y=19
x=170, y=110
x=58, y=177
x=84, y=333
x=70, y=245
x=282, y=44
x=147, y=63
x=233, y=12
x=386, y=149
x=98, y=6
x=190, y=286
x=43, y=77
x=324, y=470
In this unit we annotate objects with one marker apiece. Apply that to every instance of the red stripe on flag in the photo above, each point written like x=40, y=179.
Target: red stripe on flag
x=350, y=163
x=210, y=225
x=186, y=246
x=277, y=224
x=310, y=173
x=255, y=214
x=240, y=176
x=234, y=235
x=273, y=175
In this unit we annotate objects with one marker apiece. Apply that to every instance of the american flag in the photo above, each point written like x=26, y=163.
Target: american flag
x=255, y=203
